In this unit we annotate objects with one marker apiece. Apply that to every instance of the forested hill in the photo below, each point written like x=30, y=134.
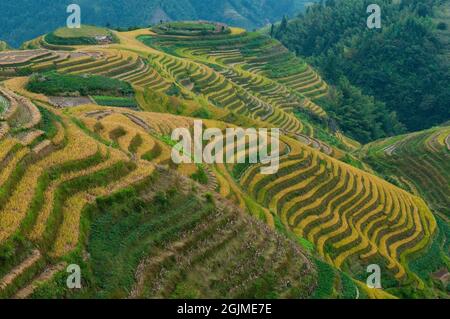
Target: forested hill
x=402, y=65
x=23, y=20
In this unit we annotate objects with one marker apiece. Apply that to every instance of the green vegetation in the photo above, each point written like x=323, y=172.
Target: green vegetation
x=3, y=46
x=135, y=143
x=3, y=104
x=174, y=90
x=50, y=176
x=349, y=159
x=348, y=287
x=84, y=31
x=159, y=102
x=79, y=36
x=435, y=258
x=200, y=176
x=117, y=133
x=124, y=231
x=406, y=156
x=71, y=187
x=12, y=252
x=48, y=123
x=152, y=154
x=94, y=135
x=53, y=83
x=190, y=28
x=399, y=65
x=441, y=18
x=115, y=101
x=268, y=73
x=358, y=115
x=74, y=190
x=325, y=282
x=202, y=113
x=306, y=244
x=239, y=168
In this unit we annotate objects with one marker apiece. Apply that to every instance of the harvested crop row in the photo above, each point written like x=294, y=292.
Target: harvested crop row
x=14, y=211
x=318, y=219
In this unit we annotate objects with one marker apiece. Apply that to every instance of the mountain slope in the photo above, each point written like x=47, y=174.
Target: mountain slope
x=441, y=17
x=419, y=162
x=402, y=65
x=346, y=217
x=23, y=20
x=212, y=251
x=81, y=174
x=428, y=152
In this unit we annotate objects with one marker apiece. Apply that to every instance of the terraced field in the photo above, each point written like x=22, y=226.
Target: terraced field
x=95, y=185
x=419, y=162
x=260, y=65
x=195, y=68
x=351, y=217
x=72, y=158
x=201, y=245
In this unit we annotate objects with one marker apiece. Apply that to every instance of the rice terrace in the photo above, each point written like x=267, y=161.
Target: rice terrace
x=87, y=176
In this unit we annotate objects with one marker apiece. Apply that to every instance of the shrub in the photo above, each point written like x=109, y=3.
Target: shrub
x=7, y=251
x=174, y=90
x=442, y=26
x=25, y=71
x=152, y=154
x=200, y=176
x=53, y=83
x=209, y=198
x=202, y=113
x=117, y=133
x=135, y=143
x=161, y=199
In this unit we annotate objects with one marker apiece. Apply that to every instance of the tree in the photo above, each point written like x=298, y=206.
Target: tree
x=442, y=26
x=283, y=27
x=400, y=66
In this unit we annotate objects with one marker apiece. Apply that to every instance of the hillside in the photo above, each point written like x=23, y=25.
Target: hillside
x=404, y=65
x=441, y=15
x=426, y=149
x=108, y=167
x=18, y=25
x=197, y=256
x=419, y=163
x=100, y=173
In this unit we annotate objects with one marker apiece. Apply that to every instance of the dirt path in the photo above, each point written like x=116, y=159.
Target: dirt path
x=390, y=149
x=46, y=275
x=20, y=269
